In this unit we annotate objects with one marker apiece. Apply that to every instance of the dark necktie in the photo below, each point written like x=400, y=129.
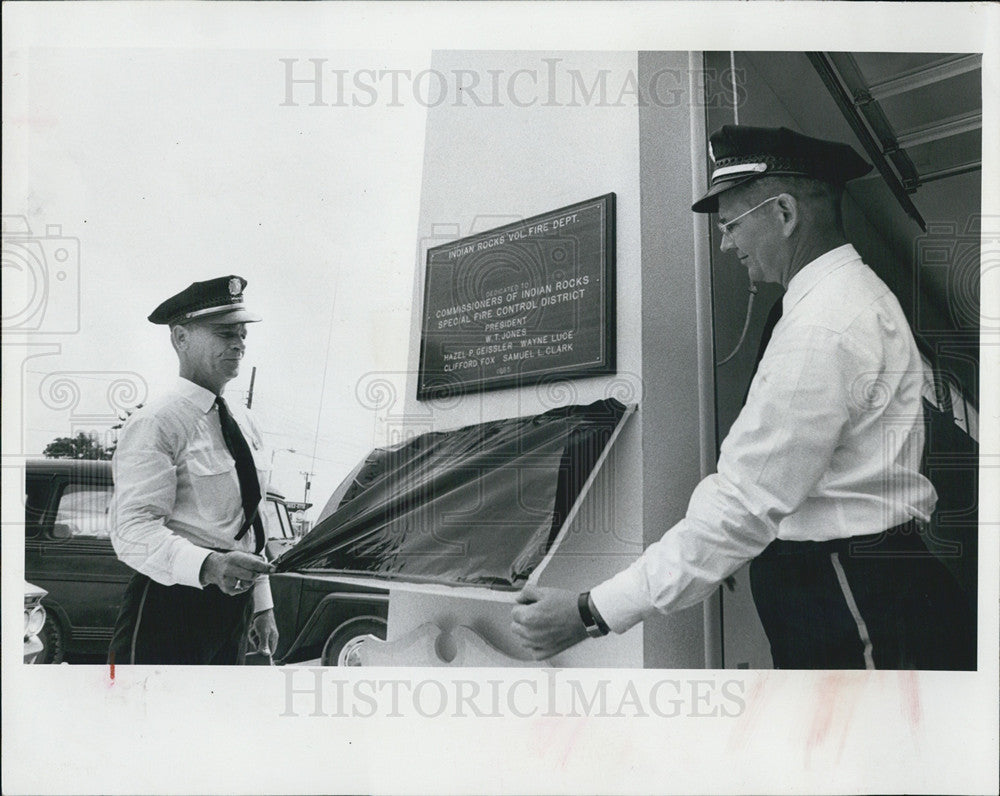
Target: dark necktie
x=246, y=472
x=772, y=320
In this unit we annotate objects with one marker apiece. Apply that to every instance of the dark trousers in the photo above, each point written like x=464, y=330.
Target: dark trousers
x=881, y=601
x=180, y=625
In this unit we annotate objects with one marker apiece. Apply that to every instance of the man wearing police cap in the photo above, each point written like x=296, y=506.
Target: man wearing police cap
x=818, y=480
x=189, y=476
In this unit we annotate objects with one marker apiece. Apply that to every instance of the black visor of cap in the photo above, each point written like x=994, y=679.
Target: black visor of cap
x=741, y=154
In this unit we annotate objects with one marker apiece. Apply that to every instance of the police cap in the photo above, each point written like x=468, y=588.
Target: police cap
x=219, y=300
x=740, y=154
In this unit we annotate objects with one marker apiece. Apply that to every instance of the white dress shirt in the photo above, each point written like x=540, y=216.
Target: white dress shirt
x=177, y=495
x=827, y=446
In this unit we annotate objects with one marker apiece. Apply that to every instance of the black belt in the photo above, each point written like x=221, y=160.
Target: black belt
x=907, y=537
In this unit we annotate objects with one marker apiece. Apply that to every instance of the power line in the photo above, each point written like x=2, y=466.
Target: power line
x=339, y=441
x=282, y=419
x=326, y=368
x=319, y=458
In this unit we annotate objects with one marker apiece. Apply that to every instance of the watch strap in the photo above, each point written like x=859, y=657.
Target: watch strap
x=596, y=626
x=605, y=629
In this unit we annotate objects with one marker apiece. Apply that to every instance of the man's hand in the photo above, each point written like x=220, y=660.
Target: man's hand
x=264, y=632
x=547, y=620
x=233, y=573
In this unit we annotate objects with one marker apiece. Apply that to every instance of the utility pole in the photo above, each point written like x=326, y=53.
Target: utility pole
x=253, y=376
x=305, y=493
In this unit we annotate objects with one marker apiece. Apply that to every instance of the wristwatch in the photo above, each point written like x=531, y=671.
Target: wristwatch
x=592, y=619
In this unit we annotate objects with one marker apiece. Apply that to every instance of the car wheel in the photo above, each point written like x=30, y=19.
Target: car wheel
x=342, y=644
x=51, y=636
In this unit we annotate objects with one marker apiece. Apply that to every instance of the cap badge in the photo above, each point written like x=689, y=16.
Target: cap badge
x=235, y=287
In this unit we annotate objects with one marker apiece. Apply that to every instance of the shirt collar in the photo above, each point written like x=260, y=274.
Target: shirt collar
x=816, y=271
x=196, y=394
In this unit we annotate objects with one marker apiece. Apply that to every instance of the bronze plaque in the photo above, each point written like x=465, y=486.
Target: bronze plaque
x=522, y=303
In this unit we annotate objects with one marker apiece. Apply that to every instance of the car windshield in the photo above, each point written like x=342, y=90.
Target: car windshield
x=276, y=522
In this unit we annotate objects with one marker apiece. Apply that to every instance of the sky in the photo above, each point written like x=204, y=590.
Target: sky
x=169, y=166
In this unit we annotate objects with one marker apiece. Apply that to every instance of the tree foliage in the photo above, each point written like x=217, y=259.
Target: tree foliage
x=82, y=446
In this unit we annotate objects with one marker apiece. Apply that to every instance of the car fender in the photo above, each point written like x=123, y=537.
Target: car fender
x=56, y=612
x=332, y=611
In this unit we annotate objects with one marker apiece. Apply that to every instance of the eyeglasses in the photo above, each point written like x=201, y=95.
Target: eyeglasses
x=724, y=228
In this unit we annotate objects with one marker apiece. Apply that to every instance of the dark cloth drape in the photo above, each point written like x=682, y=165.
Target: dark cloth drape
x=480, y=505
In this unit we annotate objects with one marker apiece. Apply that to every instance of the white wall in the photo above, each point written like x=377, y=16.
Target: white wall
x=486, y=166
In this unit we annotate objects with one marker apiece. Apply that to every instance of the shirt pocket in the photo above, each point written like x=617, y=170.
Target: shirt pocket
x=215, y=489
